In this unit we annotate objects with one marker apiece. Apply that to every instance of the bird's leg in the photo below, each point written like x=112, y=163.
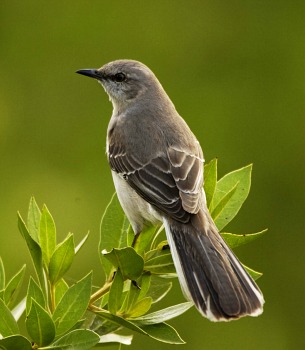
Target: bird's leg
x=136, y=236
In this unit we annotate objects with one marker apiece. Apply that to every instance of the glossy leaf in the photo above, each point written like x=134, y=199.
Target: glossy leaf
x=33, y=220
x=210, y=180
x=34, y=250
x=72, y=305
x=47, y=235
x=40, y=325
x=127, y=260
x=78, y=339
x=62, y=259
x=13, y=287
x=15, y=342
x=115, y=293
x=234, y=240
x=116, y=338
x=164, y=314
x=8, y=325
x=34, y=292
x=240, y=178
x=113, y=232
x=19, y=309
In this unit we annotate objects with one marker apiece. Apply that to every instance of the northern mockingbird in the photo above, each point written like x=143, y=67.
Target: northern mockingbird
x=157, y=169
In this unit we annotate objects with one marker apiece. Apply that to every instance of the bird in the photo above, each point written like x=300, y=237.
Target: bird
x=157, y=169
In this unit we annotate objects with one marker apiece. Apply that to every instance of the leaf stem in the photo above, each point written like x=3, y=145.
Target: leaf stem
x=99, y=293
x=52, y=297
x=95, y=308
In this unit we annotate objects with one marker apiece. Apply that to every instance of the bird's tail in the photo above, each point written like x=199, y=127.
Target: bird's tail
x=209, y=273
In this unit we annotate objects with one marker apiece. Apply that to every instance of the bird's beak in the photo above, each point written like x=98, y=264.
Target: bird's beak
x=92, y=73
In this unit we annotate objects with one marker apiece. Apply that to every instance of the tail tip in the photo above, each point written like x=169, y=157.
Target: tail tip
x=212, y=316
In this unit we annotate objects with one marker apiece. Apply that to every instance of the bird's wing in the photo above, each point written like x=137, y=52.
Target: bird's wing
x=187, y=171
x=171, y=181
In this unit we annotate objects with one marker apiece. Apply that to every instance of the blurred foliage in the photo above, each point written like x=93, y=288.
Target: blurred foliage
x=235, y=71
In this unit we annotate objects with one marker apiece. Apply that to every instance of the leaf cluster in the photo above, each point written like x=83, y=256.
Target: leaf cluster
x=138, y=275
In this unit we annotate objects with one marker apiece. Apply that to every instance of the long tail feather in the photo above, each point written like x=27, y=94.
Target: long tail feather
x=209, y=273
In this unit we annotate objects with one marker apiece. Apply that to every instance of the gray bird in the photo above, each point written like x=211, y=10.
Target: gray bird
x=157, y=169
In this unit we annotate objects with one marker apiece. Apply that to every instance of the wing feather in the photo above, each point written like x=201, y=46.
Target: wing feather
x=171, y=182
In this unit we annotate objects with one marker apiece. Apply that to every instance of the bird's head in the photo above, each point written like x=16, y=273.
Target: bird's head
x=124, y=80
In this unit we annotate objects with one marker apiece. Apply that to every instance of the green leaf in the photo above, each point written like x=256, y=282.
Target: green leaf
x=34, y=292
x=115, y=293
x=62, y=259
x=2, y=275
x=33, y=221
x=159, y=232
x=60, y=289
x=240, y=178
x=254, y=274
x=15, y=342
x=98, y=324
x=78, y=339
x=120, y=321
x=13, y=287
x=34, y=250
x=72, y=305
x=47, y=235
x=39, y=325
x=161, y=263
x=222, y=204
x=163, y=315
x=140, y=308
x=113, y=232
x=8, y=325
x=144, y=283
x=210, y=180
x=158, y=288
x=127, y=260
x=234, y=240
x=19, y=309
x=81, y=243
x=116, y=338
x=145, y=239
x=164, y=333
x=130, y=298
x=130, y=235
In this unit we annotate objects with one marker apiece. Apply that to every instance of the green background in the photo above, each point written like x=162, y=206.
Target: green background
x=235, y=71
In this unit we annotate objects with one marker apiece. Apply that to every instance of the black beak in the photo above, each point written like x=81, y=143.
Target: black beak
x=92, y=73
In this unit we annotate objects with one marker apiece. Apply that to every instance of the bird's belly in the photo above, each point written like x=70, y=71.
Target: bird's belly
x=137, y=210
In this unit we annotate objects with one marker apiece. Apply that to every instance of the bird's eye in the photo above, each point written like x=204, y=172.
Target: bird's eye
x=119, y=77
